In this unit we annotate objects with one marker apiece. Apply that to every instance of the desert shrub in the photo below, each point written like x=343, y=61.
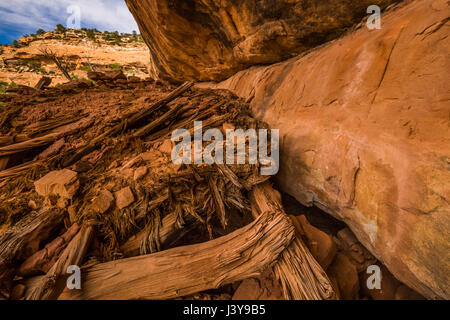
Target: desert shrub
x=74, y=76
x=115, y=67
x=16, y=44
x=90, y=34
x=3, y=87
x=35, y=66
x=86, y=68
x=40, y=32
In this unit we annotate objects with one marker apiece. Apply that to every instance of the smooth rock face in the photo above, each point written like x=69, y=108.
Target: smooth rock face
x=365, y=135
x=213, y=39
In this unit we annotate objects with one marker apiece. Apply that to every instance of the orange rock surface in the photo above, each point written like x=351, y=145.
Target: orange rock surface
x=365, y=135
x=213, y=39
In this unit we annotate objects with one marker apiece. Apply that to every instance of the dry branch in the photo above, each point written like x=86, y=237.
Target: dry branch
x=169, y=115
x=185, y=270
x=220, y=207
x=301, y=276
x=63, y=68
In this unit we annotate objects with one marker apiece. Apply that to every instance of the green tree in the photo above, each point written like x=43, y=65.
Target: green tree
x=60, y=28
x=90, y=34
x=40, y=32
x=16, y=44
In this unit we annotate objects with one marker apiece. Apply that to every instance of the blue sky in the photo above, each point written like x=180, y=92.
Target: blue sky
x=20, y=17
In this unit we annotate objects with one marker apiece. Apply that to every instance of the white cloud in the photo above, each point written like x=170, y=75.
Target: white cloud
x=33, y=14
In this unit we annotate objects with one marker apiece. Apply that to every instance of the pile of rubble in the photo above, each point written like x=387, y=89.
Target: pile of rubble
x=87, y=179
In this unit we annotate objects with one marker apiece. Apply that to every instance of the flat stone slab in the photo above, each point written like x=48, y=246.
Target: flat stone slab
x=124, y=197
x=63, y=183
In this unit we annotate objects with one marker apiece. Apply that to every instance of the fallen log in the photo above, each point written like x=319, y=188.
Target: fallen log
x=24, y=238
x=301, y=276
x=234, y=257
x=48, y=286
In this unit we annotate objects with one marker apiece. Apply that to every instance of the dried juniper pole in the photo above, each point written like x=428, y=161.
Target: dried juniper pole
x=46, y=287
x=23, y=239
x=185, y=270
x=301, y=276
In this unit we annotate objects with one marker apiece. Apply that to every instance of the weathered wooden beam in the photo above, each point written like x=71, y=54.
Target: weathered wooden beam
x=185, y=270
x=45, y=140
x=168, y=230
x=46, y=286
x=23, y=239
x=44, y=259
x=7, y=140
x=301, y=276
